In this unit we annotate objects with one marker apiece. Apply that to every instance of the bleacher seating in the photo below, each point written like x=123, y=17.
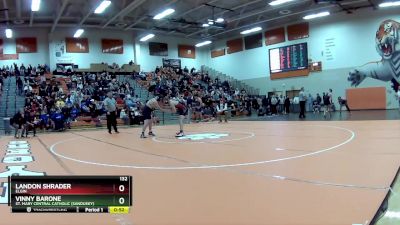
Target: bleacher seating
x=99, y=67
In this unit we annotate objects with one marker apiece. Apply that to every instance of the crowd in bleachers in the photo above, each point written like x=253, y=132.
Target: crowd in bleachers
x=56, y=103
x=200, y=91
x=203, y=93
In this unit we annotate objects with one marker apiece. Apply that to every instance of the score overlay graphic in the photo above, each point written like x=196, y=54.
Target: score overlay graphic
x=70, y=194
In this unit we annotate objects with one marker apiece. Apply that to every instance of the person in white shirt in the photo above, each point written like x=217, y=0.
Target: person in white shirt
x=281, y=101
x=222, y=110
x=27, y=89
x=156, y=103
x=123, y=116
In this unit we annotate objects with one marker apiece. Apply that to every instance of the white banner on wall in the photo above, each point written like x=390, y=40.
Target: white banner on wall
x=330, y=49
x=60, y=52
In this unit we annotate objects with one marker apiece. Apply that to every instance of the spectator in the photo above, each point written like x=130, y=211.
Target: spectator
x=280, y=104
x=124, y=117
x=17, y=122
x=287, y=105
x=264, y=102
x=343, y=102
x=318, y=99
x=197, y=107
x=274, y=104
x=29, y=123
x=57, y=119
x=316, y=107
x=20, y=85
x=327, y=104
x=310, y=101
x=222, y=110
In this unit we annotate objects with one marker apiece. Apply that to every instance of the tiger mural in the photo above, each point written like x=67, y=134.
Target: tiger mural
x=388, y=46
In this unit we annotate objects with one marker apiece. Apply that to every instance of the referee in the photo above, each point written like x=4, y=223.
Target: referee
x=302, y=100
x=111, y=107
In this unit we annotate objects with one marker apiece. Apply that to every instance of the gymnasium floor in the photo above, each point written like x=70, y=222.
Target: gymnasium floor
x=243, y=172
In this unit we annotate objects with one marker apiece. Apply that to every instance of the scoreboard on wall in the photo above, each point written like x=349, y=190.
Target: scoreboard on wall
x=288, y=58
x=70, y=194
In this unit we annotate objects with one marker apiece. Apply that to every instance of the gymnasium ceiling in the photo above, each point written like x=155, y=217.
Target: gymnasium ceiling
x=136, y=15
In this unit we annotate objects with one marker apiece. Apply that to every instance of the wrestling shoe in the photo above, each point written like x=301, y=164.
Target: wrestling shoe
x=180, y=134
x=142, y=136
x=152, y=134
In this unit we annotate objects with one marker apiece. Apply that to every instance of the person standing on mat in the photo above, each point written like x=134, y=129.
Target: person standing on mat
x=179, y=106
x=327, y=105
x=111, y=107
x=152, y=105
x=302, y=101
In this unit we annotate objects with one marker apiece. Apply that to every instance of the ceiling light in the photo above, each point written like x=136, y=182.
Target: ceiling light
x=9, y=33
x=147, y=37
x=205, y=25
x=210, y=22
x=203, y=43
x=163, y=14
x=252, y=30
x=220, y=20
x=313, y=16
x=35, y=5
x=78, y=33
x=103, y=6
x=389, y=4
x=279, y=2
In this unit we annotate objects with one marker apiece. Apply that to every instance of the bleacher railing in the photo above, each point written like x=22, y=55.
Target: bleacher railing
x=232, y=81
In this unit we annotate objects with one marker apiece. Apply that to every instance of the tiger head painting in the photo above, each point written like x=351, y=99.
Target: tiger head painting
x=387, y=44
x=387, y=39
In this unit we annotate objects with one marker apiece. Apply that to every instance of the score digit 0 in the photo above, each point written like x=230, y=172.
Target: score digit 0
x=121, y=188
x=121, y=200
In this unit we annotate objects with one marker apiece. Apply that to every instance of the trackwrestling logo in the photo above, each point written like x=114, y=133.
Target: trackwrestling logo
x=198, y=137
x=17, y=152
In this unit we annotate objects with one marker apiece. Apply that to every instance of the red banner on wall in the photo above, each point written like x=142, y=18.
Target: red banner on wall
x=9, y=56
x=298, y=31
x=186, y=51
x=112, y=46
x=77, y=45
x=26, y=45
x=275, y=36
